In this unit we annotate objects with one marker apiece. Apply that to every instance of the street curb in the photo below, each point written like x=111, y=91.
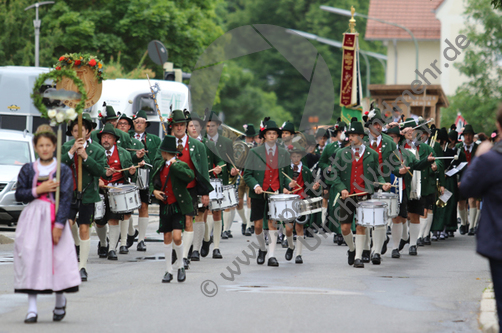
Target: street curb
x=488, y=311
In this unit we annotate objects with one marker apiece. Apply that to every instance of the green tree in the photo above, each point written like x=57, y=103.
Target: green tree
x=477, y=99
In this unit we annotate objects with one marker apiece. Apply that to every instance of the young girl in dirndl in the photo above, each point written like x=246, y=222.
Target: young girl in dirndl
x=44, y=253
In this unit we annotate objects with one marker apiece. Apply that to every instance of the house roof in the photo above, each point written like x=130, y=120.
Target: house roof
x=418, y=16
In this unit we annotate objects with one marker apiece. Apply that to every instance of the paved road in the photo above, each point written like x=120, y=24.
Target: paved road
x=437, y=291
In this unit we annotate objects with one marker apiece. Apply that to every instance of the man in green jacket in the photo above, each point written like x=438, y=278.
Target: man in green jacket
x=264, y=172
x=108, y=116
x=169, y=185
x=93, y=167
x=356, y=171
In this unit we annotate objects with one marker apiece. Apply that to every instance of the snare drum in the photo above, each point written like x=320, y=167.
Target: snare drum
x=142, y=182
x=229, y=198
x=284, y=207
x=311, y=206
x=217, y=192
x=391, y=199
x=124, y=200
x=99, y=208
x=372, y=213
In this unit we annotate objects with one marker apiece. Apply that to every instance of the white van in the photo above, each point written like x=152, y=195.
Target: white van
x=17, y=111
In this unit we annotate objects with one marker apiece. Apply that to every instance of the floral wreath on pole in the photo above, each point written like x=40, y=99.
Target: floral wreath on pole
x=58, y=116
x=76, y=60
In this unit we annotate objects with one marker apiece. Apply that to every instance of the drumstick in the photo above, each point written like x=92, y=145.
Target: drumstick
x=137, y=166
x=298, y=189
x=215, y=168
x=268, y=192
x=377, y=183
x=146, y=151
x=352, y=195
x=115, y=188
x=238, y=174
x=402, y=163
x=336, y=198
x=291, y=179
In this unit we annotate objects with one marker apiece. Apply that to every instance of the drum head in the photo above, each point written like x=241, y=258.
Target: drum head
x=284, y=197
x=123, y=188
x=384, y=195
x=372, y=204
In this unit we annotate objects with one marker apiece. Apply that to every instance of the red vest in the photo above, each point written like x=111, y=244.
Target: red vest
x=356, y=176
x=468, y=156
x=271, y=178
x=114, y=162
x=300, y=182
x=185, y=157
x=171, y=198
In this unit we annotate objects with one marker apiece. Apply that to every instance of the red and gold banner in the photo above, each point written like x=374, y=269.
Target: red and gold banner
x=349, y=92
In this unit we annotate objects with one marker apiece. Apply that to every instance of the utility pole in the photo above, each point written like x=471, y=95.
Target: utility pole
x=36, y=23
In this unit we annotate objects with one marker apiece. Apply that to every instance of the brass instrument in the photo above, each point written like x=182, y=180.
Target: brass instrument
x=440, y=203
x=241, y=150
x=230, y=132
x=433, y=140
x=416, y=181
x=300, y=139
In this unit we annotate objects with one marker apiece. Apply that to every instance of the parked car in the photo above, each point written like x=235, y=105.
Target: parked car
x=16, y=149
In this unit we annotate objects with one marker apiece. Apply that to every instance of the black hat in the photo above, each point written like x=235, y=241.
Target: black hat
x=108, y=129
x=453, y=134
x=321, y=132
x=355, y=128
x=443, y=134
x=269, y=125
x=177, y=116
x=373, y=115
x=85, y=118
x=250, y=130
x=169, y=145
x=288, y=126
x=124, y=116
x=394, y=130
x=468, y=129
x=193, y=116
x=108, y=114
x=141, y=114
x=296, y=147
x=212, y=116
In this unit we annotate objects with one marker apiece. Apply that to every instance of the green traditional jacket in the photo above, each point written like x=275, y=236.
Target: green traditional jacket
x=343, y=168
x=428, y=177
x=388, y=147
x=126, y=162
x=411, y=161
x=438, y=152
x=308, y=178
x=136, y=144
x=212, y=158
x=224, y=147
x=93, y=168
x=180, y=175
x=462, y=157
x=329, y=150
x=151, y=143
x=255, y=168
x=124, y=141
x=318, y=151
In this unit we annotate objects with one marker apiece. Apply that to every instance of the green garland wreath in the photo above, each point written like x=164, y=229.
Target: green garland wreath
x=57, y=75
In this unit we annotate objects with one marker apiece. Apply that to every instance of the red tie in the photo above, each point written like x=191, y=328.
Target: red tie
x=356, y=154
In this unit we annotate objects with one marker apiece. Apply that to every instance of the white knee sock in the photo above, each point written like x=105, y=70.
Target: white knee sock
x=405, y=234
x=379, y=234
x=168, y=253
x=299, y=245
x=360, y=240
x=323, y=212
x=187, y=242
x=349, y=239
x=142, y=225
x=32, y=305
x=423, y=226
x=74, y=233
x=60, y=302
x=367, y=240
x=179, y=255
x=463, y=216
x=261, y=241
x=273, y=241
x=397, y=232
x=85, y=248
x=472, y=217
x=130, y=231
x=124, y=225
x=198, y=235
x=209, y=228
x=114, y=236
x=101, y=232
x=476, y=220
x=217, y=234
x=414, y=231
x=227, y=220
x=242, y=215
x=291, y=245
x=430, y=217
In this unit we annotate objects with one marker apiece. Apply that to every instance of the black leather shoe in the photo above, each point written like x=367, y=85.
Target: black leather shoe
x=471, y=232
x=366, y=256
x=273, y=262
x=384, y=246
x=298, y=260
x=280, y=238
x=102, y=251
x=358, y=263
x=462, y=229
x=284, y=243
x=252, y=229
x=168, y=277
x=181, y=275
x=83, y=274
x=243, y=229
x=229, y=234
x=217, y=254
x=340, y=241
x=248, y=232
x=396, y=254
x=427, y=240
x=204, y=251
x=261, y=257
x=131, y=238
x=289, y=254
x=376, y=259
x=112, y=255
x=420, y=242
x=186, y=263
x=389, y=231
x=141, y=246
x=59, y=317
x=123, y=250
x=413, y=250
x=403, y=242
x=31, y=320
x=224, y=235
x=308, y=234
x=195, y=256
x=352, y=255
x=451, y=234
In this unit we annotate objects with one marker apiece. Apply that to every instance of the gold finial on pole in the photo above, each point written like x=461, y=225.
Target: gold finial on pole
x=352, y=21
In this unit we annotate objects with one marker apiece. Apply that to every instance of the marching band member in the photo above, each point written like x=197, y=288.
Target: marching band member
x=243, y=188
x=322, y=137
x=117, y=159
x=355, y=166
x=193, y=154
x=151, y=143
x=263, y=172
x=169, y=185
x=108, y=116
x=311, y=158
x=301, y=176
x=44, y=257
x=93, y=167
x=405, y=163
x=288, y=132
x=467, y=150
